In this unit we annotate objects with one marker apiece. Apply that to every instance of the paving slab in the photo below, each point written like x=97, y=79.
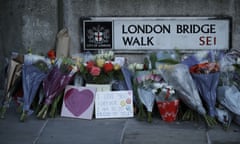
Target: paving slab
x=160, y=132
x=79, y=131
x=12, y=131
x=230, y=136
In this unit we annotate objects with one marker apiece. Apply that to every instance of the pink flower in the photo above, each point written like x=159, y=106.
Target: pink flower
x=148, y=77
x=139, y=79
x=157, y=78
x=89, y=66
x=152, y=76
x=95, y=71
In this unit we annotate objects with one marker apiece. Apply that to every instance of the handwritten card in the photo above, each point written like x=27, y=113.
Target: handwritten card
x=114, y=104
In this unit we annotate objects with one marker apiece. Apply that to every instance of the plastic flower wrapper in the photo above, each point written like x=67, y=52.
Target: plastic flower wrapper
x=30, y=59
x=67, y=67
x=122, y=80
x=144, y=81
x=127, y=77
x=224, y=116
x=227, y=70
x=53, y=85
x=78, y=61
x=237, y=119
x=234, y=76
x=202, y=56
x=13, y=77
x=231, y=58
x=206, y=77
x=234, y=53
x=229, y=96
x=170, y=57
x=32, y=77
x=179, y=77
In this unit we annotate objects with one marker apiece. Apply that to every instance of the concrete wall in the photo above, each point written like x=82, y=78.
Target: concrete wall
x=27, y=24
x=34, y=23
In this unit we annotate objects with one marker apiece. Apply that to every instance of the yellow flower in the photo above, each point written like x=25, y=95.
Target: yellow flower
x=116, y=67
x=100, y=62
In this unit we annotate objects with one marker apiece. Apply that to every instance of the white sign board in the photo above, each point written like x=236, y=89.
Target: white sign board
x=154, y=33
x=171, y=34
x=114, y=104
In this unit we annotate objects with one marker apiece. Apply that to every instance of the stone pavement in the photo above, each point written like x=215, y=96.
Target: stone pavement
x=61, y=130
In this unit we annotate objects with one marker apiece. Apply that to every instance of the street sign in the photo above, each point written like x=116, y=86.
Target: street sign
x=158, y=33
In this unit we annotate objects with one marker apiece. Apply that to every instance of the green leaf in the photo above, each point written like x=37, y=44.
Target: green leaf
x=168, y=61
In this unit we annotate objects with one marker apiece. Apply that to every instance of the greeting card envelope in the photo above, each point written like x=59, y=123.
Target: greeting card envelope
x=78, y=102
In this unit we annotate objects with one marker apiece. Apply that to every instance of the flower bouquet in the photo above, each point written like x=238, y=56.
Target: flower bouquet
x=144, y=81
x=206, y=77
x=32, y=76
x=55, y=83
x=166, y=100
x=101, y=69
x=12, y=80
x=179, y=77
x=122, y=80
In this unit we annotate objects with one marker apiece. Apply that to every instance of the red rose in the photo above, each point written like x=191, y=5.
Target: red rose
x=95, y=71
x=51, y=54
x=89, y=66
x=107, y=67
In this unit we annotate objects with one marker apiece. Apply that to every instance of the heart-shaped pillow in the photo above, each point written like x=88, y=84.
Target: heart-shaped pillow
x=77, y=101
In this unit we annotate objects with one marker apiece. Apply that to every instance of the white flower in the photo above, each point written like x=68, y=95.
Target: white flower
x=169, y=87
x=154, y=91
x=139, y=66
x=172, y=91
x=157, y=85
x=164, y=90
x=238, y=60
x=131, y=67
x=74, y=70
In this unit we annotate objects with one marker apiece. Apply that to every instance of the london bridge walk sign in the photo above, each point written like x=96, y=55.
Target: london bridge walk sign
x=154, y=33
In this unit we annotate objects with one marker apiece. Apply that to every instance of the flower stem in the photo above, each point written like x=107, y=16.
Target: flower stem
x=19, y=108
x=54, y=106
x=211, y=121
x=141, y=113
x=149, y=117
x=2, y=112
x=23, y=116
x=43, y=112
